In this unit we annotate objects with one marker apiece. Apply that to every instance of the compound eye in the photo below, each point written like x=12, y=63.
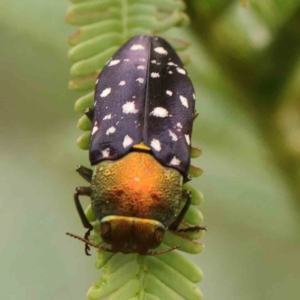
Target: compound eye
x=105, y=231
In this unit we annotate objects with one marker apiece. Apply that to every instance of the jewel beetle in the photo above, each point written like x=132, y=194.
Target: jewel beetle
x=142, y=121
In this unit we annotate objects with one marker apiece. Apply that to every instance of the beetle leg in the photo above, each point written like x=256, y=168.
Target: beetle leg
x=89, y=113
x=86, y=173
x=192, y=229
x=174, y=226
x=83, y=191
x=187, y=194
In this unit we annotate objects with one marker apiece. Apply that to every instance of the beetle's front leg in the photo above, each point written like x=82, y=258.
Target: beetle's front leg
x=83, y=191
x=174, y=226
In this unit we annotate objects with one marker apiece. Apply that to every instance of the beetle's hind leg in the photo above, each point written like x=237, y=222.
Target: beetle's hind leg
x=86, y=173
x=83, y=191
x=174, y=226
x=192, y=229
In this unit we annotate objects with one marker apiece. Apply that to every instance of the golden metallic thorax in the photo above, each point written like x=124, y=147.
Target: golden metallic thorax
x=140, y=195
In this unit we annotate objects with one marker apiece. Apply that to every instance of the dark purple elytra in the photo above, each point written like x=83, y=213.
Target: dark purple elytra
x=144, y=94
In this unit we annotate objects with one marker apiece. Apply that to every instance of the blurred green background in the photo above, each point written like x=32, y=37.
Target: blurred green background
x=246, y=70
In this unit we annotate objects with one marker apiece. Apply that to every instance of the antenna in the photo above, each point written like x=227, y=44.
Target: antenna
x=89, y=243
x=109, y=250
x=162, y=251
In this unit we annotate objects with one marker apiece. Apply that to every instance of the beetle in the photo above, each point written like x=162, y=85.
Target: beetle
x=142, y=120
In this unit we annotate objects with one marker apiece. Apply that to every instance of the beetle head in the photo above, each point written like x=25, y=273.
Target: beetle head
x=129, y=234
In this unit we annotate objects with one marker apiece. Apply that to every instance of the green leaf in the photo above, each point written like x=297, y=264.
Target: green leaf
x=185, y=244
x=83, y=141
x=103, y=258
x=94, y=46
x=193, y=216
x=118, y=261
x=84, y=83
x=84, y=123
x=154, y=286
x=195, y=152
x=111, y=282
x=197, y=197
x=195, y=172
x=84, y=102
x=173, y=279
x=184, y=266
x=127, y=290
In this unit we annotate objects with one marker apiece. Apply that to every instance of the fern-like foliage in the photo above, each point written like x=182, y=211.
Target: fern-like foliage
x=104, y=26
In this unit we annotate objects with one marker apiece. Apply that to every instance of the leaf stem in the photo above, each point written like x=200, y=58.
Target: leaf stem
x=141, y=276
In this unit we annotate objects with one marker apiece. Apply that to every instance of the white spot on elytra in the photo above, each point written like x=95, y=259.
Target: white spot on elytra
x=159, y=112
x=171, y=64
x=179, y=125
x=137, y=47
x=181, y=71
x=105, y=152
x=95, y=129
x=170, y=93
x=127, y=141
x=173, y=136
x=161, y=50
x=184, y=101
x=114, y=62
x=142, y=59
x=187, y=138
x=129, y=108
x=110, y=130
x=140, y=80
x=123, y=82
x=154, y=75
x=175, y=161
x=153, y=61
x=156, y=145
x=170, y=72
x=126, y=59
x=140, y=67
x=107, y=117
x=105, y=92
